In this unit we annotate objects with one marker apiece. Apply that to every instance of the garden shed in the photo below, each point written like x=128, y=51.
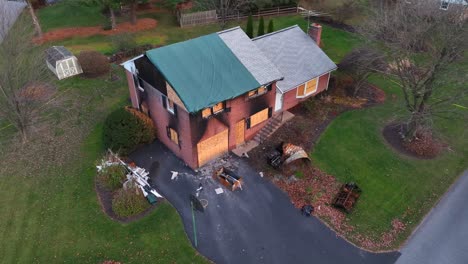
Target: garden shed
x=62, y=62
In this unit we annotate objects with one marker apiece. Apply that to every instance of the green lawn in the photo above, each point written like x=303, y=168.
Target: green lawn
x=70, y=13
x=55, y=217
x=394, y=186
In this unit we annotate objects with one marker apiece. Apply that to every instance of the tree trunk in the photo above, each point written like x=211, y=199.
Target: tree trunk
x=415, y=123
x=36, y=23
x=133, y=17
x=112, y=18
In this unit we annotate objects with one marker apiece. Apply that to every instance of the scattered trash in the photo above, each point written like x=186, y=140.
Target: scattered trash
x=285, y=154
x=307, y=210
x=245, y=155
x=347, y=197
x=136, y=175
x=228, y=178
x=174, y=175
x=219, y=190
x=261, y=174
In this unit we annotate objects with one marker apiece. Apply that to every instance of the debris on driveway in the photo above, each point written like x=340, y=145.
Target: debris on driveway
x=174, y=175
x=228, y=178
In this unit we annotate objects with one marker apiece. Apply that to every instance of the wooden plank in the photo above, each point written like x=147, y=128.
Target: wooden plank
x=212, y=147
x=240, y=132
x=259, y=117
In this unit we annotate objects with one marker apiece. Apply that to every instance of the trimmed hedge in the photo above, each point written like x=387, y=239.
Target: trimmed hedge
x=93, y=63
x=126, y=128
x=129, y=202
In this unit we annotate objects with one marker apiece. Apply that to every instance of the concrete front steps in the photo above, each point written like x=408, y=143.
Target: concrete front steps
x=273, y=124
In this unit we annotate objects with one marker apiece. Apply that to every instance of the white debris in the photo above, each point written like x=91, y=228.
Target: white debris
x=219, y=190
x=174, y=175
x=245, y=155
x=261, y=174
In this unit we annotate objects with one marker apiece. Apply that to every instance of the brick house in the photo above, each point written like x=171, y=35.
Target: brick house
x=210, y=94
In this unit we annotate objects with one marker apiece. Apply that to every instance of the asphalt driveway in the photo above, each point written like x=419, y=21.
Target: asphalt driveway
x=442, y=238
x=255, y=225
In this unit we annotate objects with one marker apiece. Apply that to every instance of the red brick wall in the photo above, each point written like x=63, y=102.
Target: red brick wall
x=181, y=123
x=290, y=100
x=132, y=89
x=242, y=108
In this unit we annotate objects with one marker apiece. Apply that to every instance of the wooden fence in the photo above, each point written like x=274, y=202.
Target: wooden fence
x=197, y=18
x=207, y=17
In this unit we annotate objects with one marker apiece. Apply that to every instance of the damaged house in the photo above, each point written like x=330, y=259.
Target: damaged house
x=210, y=94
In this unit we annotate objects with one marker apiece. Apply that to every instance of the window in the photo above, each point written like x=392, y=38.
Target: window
x=307, y=88
x=259, y=117
x=172, y=134
x=209, y=111
x=169, y=105
x=257, y=92
x=444, y=5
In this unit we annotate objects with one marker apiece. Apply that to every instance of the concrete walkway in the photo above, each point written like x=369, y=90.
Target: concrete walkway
x=442, y=238
x=255, y=225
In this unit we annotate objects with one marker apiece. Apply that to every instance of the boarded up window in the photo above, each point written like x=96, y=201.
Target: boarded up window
x=259, y=117
x=311, y=86
x=206, y=112
x=218, y=107
x=172, y=134
x=301, y=90
x=307, y=88
x=257, y=92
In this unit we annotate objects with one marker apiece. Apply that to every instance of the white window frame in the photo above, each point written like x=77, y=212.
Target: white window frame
x=305, y=87
x=168, y=105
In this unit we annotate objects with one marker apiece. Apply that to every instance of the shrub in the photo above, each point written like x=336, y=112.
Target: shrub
x=261, y=27
x=249, y=29
x=129, y=202
x=124, y=130
x=124, y=42
x=271, y=27
x=112, y=177
x=93, y=63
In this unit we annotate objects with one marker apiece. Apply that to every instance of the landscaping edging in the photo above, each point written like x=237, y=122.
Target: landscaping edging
x=391, y=135
x=105, y=201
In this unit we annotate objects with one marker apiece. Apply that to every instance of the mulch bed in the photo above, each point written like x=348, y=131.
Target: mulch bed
x=105, y=200
x=423, y=147
x=304, y=182
x=64, y=33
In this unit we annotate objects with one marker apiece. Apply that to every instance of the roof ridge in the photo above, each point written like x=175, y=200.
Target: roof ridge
x=228, y=30
x=275, y=32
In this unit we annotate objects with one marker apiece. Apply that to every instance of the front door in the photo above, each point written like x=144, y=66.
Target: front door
x=279, y=101
x=240, y=129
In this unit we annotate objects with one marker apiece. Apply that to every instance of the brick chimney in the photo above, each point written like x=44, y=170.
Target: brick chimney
x=315, y=32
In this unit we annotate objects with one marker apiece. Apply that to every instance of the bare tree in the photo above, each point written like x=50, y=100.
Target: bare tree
x=421, y=42
x=34, y=18
x=224, y=8
x=25, y=93
x=133, y=6
x=109, y=5
x=360, y=63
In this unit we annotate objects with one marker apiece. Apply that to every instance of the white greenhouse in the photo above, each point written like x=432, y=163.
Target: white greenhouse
x=62, y=62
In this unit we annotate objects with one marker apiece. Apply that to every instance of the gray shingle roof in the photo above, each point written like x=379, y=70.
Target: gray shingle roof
x=295, y=55
x=263, y=70
x=57, y=53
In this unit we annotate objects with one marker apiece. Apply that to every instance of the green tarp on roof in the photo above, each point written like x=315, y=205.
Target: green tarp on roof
x=203, y=71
